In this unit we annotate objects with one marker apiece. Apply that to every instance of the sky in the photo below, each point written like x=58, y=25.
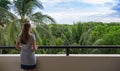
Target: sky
x=70, y=11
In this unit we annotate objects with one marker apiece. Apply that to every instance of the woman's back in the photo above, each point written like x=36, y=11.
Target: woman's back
x=28, y=47
x=27, y=54
x=26, y=42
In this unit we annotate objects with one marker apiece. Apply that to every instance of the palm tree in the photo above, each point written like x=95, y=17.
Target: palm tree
x=5, y=16
x=4, y=13
x=24, y=10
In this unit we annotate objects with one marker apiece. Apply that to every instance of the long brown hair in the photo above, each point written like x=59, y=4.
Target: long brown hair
x=24, y=37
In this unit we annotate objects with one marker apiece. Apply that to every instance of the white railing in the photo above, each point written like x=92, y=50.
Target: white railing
x=51, y=62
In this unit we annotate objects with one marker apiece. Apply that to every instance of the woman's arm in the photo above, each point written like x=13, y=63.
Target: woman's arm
x=18, y=45
x=34, y=46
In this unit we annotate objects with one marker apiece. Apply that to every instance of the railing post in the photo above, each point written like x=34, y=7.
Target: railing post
x=67, y=51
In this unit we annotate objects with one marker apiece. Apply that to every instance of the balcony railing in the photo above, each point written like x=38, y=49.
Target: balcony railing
x=81, y=62
x=68, y=47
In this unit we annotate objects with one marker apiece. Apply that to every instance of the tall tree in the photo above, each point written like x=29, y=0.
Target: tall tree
x=26, y=9
x=4, y=13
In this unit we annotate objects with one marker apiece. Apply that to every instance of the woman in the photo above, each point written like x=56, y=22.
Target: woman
x=26, y=42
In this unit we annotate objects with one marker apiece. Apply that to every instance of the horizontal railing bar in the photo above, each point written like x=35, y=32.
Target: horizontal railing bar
x=64, y=47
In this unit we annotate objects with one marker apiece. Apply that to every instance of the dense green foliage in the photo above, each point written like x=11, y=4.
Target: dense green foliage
x=90, y=33
x=77, y=34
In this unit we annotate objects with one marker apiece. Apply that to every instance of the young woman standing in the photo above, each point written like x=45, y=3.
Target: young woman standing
x=27, y=44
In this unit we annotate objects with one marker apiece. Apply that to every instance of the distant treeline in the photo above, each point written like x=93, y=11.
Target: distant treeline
x=87, y=33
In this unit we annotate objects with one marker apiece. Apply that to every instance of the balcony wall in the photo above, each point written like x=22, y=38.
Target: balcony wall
x=65, y=63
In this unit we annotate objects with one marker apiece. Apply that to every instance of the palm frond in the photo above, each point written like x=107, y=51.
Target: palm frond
x=26, y=7
x=46, y=32
x=48, y=19
x=6, y=16
x=98, y=42
x=39, y=17
x=4, y=4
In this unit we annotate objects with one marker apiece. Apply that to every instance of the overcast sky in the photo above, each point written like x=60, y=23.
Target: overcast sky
x=69, y=11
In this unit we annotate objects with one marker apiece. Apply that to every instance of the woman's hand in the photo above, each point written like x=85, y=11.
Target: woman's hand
x=18, y=45
x=34, y=48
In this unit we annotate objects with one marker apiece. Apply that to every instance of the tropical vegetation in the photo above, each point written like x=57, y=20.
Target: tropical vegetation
x=14, y=13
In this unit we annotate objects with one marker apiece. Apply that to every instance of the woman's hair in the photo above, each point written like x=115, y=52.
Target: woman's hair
x=24, y=37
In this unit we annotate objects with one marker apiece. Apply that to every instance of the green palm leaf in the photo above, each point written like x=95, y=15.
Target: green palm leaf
x=26, y=7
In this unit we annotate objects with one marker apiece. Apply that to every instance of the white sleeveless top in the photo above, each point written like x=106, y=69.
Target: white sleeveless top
x=27, y=54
